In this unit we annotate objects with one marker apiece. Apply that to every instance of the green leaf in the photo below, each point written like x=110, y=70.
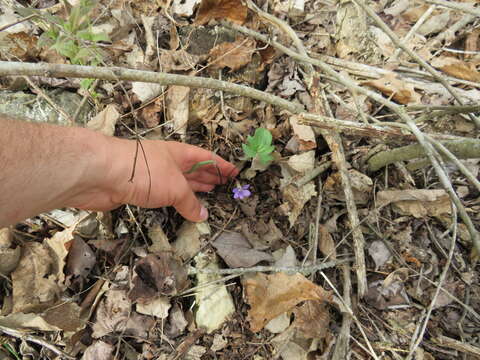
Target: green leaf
x=85, y=83
x=265, y=158
x=248, y=151
x=263, y=137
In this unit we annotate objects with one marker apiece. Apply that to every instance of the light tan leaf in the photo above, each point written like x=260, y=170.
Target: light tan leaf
x=457, y=68
x=304, y=134
x=418, y=203
x=435, y=24
x=105, y=121
x=272, y=295
x=401, y=91
x=158, y=307
x=414, y=13
x=27, y=321
x=146, y=91
x=232, y=55
x=178, y=108
x=184, y=7
x=384, y=44
x=187, y=243
x=214, y=302
x=232, y=10
x=302, y=163
x=99, y=350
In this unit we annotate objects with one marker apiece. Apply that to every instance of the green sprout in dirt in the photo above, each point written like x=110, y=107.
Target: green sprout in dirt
x=74, y=37
x=259, y=146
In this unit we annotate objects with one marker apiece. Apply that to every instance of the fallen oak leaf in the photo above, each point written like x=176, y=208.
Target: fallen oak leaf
x=272, y=295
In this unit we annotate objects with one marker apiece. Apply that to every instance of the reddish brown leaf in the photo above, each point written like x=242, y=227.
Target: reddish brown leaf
x=232, y=10
x=232, y=55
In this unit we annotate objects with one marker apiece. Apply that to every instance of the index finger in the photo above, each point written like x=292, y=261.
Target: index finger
x=188, y=155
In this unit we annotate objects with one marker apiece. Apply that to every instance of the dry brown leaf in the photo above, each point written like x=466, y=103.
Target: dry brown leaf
x=150, y=114
x=27, y=321
x=296, y=198
x=312, y=319
x=236, y=251
x=177, y=60
x=10, y=257
x=178, y=107
x=157, y=274
x=272, y=295
x=232, y=55
x=361, y=186
x=35, y=286
x=401, y=91
x=65, y=316
x=232, y=10
x=435, y=24
x=176, y=322
x=105, y=121
x=81, y=259
x=21, y=46
x=326, y=245
x=413, y=14
x=457, y=68
x=114, y=315
x=418, y=203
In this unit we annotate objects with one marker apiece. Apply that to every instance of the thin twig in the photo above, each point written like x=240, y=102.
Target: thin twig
x=295, y=269
x=36, y=340
x=437, y=291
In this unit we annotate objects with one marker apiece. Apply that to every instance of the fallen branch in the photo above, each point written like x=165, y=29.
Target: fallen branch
x=117, y=73
x=463, y=149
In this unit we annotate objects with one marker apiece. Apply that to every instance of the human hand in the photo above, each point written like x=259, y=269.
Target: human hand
x=165, y=182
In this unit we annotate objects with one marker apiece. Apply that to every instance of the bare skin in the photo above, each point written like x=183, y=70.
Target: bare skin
x=43, y=167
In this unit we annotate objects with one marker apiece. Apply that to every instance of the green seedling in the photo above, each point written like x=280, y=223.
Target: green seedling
x=74, y=37
x=259, y=146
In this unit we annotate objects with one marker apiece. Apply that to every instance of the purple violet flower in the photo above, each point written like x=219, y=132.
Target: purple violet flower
x=241, y=192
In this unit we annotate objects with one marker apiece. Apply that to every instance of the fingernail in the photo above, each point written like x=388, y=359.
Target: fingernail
x=203, y=213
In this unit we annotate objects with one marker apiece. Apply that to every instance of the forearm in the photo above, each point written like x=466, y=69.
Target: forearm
x=42, y=167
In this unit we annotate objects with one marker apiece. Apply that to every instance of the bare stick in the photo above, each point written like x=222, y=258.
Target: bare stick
x=295, y=269
x=116, y=73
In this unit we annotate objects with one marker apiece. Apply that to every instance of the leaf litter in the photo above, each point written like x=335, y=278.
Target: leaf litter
x=132, y=283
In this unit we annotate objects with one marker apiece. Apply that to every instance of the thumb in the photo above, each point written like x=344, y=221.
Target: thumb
x=187, y=204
